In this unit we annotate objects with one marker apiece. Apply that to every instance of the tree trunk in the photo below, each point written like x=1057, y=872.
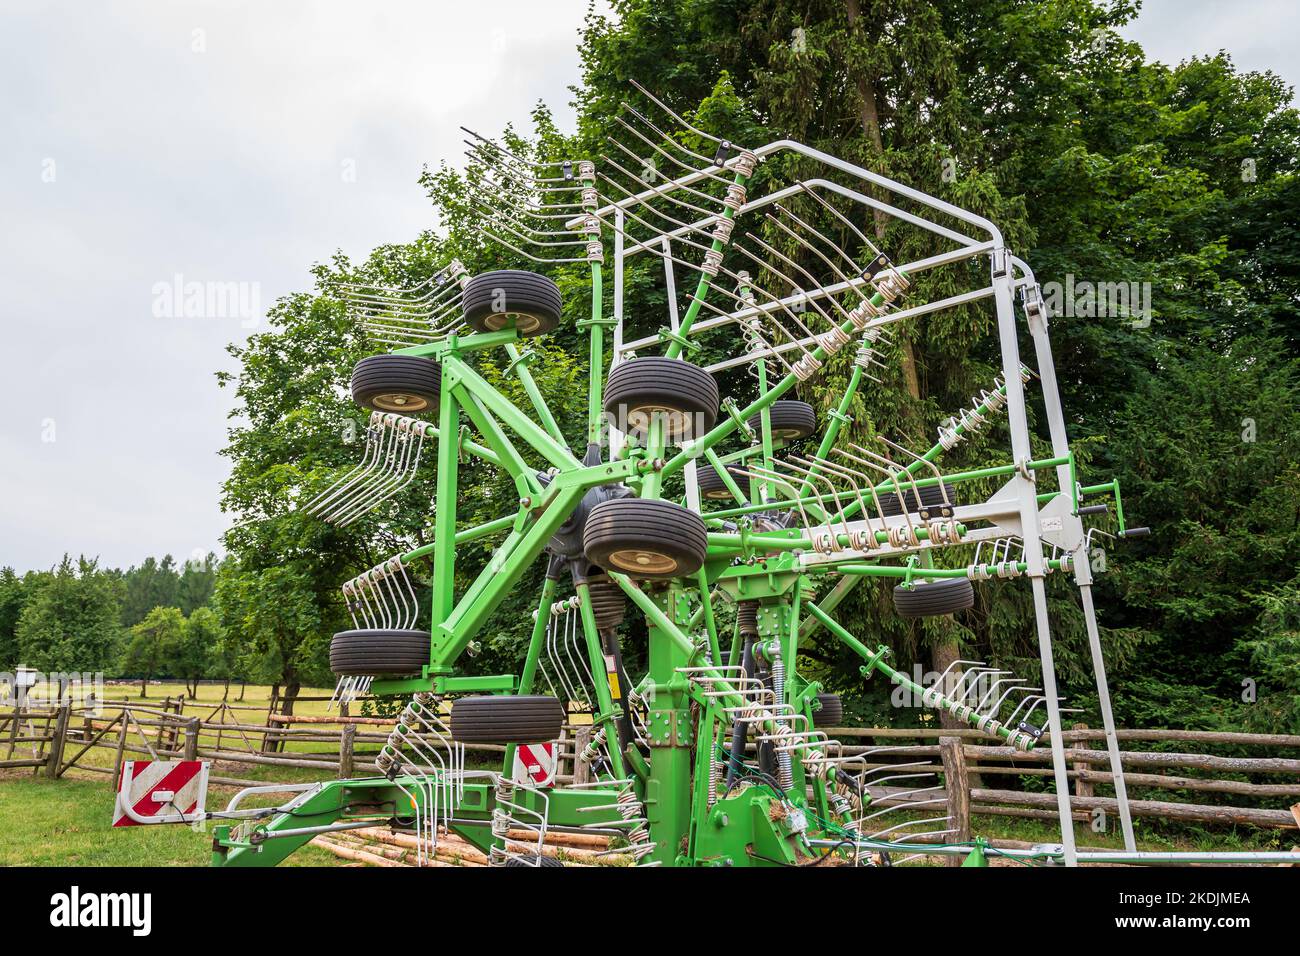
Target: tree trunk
x=869, y=119
x=243, y=687
x=144, y=688
x=225, y=694
x=941, y=655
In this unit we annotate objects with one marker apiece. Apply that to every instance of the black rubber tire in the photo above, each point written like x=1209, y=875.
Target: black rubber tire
x=710, y=482
x=494, y=719
x=685, y=393
x=608, y=602
x=533, y=861
x=791, y=420
x=831, y=711
x=945, y=596
x=379, y=651
x=493, y=300
x=931, y=497
x=645, y=538
x=404, y=384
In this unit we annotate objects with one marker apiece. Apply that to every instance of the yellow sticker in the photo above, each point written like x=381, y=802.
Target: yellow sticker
x=614, y=691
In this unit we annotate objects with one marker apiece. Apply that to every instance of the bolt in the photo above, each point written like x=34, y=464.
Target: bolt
x=525, y=502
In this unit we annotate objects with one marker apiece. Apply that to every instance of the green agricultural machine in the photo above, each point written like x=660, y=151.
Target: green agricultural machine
x=733, y=525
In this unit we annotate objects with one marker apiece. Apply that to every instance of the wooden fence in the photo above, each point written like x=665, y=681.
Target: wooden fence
x=1201, y=787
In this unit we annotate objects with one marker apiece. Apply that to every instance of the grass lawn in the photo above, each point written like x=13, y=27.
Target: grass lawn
x=68, y=823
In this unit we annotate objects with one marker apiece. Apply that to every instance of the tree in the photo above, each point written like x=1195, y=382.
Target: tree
x=154, y=643
x=190, y=656
x=70, y=622
x=194, y=587
x=277, y=614
x=153, y=584
x=12, y=598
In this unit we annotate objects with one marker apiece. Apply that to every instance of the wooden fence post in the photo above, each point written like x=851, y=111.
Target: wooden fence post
x=121, y=748
x=581, y=769
x=192, y=727
x=957, y=784
x=57, y=741
x=1082, y=787
x=347, y=739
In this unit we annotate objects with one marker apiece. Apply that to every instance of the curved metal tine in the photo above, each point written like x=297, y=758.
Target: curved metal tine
x=658, y=191
x=528, y=255
x=705, y=171
x=518, y=188
x=767, y=266
x=750, y=328
x=946, y=818
x=672, y=159
x=372, y=600
x=493, y=144
x=903, y=776
x=767, y=313
x=379, y=581
x=1033, y=699
x=889, y=473
x=532, y=236
x=495, y=210
x=899, y=804
x=440, y=285
x=543, y=661
x=900, y=477
x=359, y=503
x=406, y=471
x=976, y=686
x=676, y=118
x=943, y=490
x=350, y=602
x=904, y=472
x=410, y=589
x=584, y=659
x=969, y=678
x=766, y=475
x=570, y=627
x=806, y=190
x=374, y=429
x=849, y=475
x=437, y=282
x=368, y=612
x=798, y=464
x=866, y=514
x=558, y=637
x=385, y=451
x=520, y=171
x=993, y=689
x=374, y=579
x=401, y=618
x=814, y=231
x=499, y=197
x=815, y=251
x=815, y=282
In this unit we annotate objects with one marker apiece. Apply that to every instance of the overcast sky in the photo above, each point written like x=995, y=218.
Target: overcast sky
x=147, y=143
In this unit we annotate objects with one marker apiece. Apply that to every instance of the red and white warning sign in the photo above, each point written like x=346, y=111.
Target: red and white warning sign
x=160, y=791
x=535, y=765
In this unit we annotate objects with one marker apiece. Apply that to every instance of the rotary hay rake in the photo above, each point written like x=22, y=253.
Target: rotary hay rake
x=718, y=754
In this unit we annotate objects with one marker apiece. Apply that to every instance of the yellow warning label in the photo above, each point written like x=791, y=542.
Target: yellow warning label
x=614, y=691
